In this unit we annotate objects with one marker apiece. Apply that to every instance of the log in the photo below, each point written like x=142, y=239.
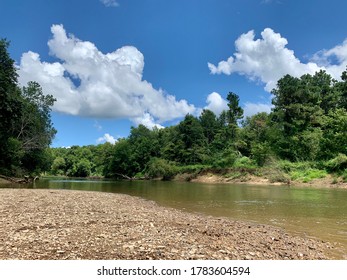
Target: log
x=25, y=180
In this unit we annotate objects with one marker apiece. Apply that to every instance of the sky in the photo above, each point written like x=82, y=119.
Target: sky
x=114, y=64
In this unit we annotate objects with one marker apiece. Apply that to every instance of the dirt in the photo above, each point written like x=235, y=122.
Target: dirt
x=58, y=224
x=327, y=182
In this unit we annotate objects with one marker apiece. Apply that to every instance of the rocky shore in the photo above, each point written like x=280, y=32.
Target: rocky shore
x=58, y=224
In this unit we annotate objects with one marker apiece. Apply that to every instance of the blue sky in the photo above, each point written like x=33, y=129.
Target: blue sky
x=114, y=64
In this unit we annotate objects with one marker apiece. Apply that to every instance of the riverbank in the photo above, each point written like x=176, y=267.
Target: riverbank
x=250, y=179
x=57, y=224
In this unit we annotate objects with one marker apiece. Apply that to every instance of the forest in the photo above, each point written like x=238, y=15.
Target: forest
x=303, y=138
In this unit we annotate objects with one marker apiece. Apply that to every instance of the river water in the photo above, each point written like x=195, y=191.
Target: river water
x=315, y=212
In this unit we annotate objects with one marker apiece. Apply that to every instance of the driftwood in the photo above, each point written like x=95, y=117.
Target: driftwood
x=125, y=176
x=132, y=178
x=25, y=180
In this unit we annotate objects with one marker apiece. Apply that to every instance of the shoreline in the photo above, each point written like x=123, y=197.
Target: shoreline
x=248, y=179
x=212, y=178
x=60, y=224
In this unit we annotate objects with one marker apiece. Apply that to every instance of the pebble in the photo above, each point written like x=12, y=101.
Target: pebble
x=72, y=225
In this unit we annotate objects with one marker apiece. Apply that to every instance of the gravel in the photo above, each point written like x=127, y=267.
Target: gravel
x=64, y=224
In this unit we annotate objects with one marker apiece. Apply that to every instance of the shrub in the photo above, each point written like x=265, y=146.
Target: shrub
x=308, y=174
x=244, y=162
x=278, y=176
x=225, y=159
x=158, y=167
x=260, y=153
x=344, y=176
x=336, y=164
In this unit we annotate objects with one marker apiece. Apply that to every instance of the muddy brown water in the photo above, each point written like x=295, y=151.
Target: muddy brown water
x=315, y=212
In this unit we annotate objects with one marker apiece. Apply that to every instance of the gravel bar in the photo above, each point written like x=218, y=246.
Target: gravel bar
x=64, y=224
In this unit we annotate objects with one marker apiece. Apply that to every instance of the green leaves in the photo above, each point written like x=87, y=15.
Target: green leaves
x=25, y=121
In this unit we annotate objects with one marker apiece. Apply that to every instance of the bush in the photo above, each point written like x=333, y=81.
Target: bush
x=244, y=162
x=158, y=167
x=344, y=176
x=260, y=153
x=336, y=164
x=288, y=166
x=308, y=175
x=83, y=168
x=276, y=175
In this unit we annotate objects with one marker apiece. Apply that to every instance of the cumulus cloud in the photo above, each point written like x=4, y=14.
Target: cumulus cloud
x=251, y=109
x=268, y=59
x=106, y=138
x=110, y=3
x=87, y=82
x=148, y=121
x=216, y=103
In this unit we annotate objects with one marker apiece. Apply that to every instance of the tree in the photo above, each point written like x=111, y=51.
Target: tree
x=235, y=112
x=210, y=124
x=342, y=88
x=191, y=142
x=254, y=135
x=144, y=145
x=25, y=121
x=334, y=134
x=83, y=168
x=121, y=166
x=34, y=128
x=9, y=104
x=232, y=115
x=58, y=166
x=297, y=113
x=158, y=167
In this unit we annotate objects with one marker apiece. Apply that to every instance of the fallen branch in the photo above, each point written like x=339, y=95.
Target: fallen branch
x=125, y=176
x=24, y=180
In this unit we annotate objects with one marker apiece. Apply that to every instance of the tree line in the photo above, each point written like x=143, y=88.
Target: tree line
x=307, y=127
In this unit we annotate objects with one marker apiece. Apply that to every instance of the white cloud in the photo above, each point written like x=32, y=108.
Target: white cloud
x=110, y=3
x=110, y=85
x=216, y=103
x=106, y=138
x=333, y=60
x=251, y=109
x=147, y=120
x=268, y=59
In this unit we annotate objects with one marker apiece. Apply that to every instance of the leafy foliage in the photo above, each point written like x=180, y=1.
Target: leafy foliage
x=26, y=130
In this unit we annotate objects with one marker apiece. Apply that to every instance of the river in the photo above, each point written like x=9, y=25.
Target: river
x=316, y=212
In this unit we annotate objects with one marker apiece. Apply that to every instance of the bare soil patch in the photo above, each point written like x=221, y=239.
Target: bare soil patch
x=249, y=179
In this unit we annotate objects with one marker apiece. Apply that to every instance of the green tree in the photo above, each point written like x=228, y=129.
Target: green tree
x=235, y=112
x=9, y=105
x=254, y=135
x=342, y=88
x=25, y=121
x=34, y=128
x=144, y=145
x=121, y=166
x=158, y=167
x=334, y=133
x=297, y=113
x=210, y=124
x=58, y=166
x=192, y=143
x=83, y=168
